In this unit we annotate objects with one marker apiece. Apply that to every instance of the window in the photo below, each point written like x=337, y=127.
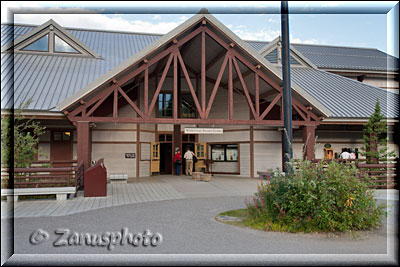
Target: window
x=225, y=152
x=39, y=45
x=165, y=105
x=165, y=137
x=61, y=136
x=61, y=46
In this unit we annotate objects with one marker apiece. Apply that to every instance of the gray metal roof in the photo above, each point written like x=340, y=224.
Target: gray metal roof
x=51, y=79
x=345, y=97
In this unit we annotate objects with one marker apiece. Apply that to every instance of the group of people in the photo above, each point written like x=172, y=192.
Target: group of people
x=188, y=161
x=348, y=154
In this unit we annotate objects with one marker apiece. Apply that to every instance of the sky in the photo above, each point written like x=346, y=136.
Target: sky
x=328, y=23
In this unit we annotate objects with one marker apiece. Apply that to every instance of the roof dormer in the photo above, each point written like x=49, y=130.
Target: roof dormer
x=50, y=38
x=273, y=53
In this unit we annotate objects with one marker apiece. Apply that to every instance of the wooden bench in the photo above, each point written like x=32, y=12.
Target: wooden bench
x=118, y=178
x=60, y=192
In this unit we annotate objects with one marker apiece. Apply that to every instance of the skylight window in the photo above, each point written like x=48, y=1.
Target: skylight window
x=41, y=45
x=61, y=46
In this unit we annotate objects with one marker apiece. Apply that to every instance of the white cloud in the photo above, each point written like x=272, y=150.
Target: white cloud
x=157, y=17
x=263, y=35
x=98, y=21
x=309, y=41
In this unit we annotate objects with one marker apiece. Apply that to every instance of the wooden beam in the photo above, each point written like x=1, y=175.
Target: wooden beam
x=146, y=90
x=203, y=71
x=249, y=101
x=130, y=102
x=195, y=121
x=230, y=89
x=194, y=96
x=115, y=105
x=216, y=85
x=175, y=94
x=271, y=105
x=157, y=92
x=257, y=88
x=103, y=96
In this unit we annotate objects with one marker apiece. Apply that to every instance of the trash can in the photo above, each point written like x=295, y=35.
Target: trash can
x=95, y=180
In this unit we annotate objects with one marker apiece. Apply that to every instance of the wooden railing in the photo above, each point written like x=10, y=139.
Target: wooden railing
x=380, y=175
x=79, y=176
x=54, y=163
x=43, y=177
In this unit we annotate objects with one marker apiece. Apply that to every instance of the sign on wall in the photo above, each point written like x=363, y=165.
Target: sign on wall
x=130, y=155
x=204, y=130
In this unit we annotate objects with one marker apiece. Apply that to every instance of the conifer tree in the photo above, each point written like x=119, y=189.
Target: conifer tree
x=374, y=138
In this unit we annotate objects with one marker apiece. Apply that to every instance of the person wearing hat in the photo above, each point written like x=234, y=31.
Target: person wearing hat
x=177, y=161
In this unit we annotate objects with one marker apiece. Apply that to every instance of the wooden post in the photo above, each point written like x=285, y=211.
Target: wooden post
x=175, y=94
x=138, y=152
x=252, y=151
x=230, y=88
x=203, y=71
x=177, y=143
x=83, y=144
x=309, y=142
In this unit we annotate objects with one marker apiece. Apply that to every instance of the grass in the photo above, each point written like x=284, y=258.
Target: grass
x=264, y=224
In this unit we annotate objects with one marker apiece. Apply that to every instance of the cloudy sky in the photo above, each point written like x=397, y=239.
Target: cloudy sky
x=310, y=23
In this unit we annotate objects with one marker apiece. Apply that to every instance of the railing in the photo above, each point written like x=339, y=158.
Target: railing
x=43, y=177
x=54, y=163
x=381, y=175
x=79, y=176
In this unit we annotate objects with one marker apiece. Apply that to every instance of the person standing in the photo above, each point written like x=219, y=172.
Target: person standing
x=189, y=161
x=177, y=161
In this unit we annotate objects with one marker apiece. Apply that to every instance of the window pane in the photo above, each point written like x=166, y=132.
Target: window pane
x=218, y=152
x=192, y=138
x=39, y=45
x=231, y=153
x=61, y=46
x=57, y=136
x=169, y=137
x=161, y=137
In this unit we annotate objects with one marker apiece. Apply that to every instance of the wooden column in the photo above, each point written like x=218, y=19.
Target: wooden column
x=83, y=144
x=138, y=152
x=230, y=89
x=177, y=143
x=309, y=142
x=252, y=151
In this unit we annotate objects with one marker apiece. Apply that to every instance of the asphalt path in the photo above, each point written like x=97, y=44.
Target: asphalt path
x=188, y=228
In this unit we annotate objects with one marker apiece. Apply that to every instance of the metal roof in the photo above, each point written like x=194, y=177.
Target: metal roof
x=345, y=97
x=50, y=79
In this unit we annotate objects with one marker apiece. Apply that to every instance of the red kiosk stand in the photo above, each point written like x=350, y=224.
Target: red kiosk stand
x=95, y=181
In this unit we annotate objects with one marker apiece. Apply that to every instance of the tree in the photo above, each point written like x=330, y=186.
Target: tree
x=374, y=140
x=26, y=138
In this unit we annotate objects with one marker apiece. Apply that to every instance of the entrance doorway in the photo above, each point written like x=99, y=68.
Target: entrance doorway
x=61, y=147
x=165, y=156
x=166, y=153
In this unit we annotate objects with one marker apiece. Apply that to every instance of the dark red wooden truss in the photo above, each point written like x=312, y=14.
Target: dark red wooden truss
x=87, y=109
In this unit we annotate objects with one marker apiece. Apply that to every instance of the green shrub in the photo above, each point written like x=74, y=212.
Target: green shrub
x=316, y=199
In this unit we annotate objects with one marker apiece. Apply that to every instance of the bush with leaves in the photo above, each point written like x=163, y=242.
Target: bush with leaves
x=316, y=199
x=26, y=138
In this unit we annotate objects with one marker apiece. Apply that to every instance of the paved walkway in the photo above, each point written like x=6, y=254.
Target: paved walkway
x=146, y=189
x=117, y=194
